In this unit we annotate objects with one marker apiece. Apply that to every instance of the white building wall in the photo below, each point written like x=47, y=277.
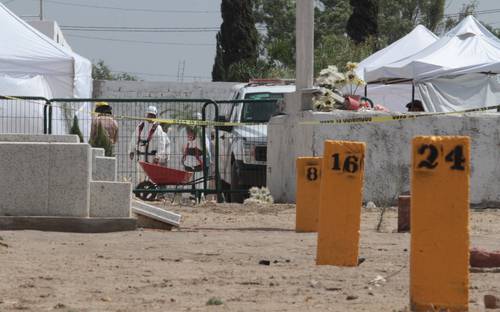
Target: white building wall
x=388, y=152
x=50, y=29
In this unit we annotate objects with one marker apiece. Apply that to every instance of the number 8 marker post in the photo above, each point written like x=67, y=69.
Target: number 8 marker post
x=307, y=195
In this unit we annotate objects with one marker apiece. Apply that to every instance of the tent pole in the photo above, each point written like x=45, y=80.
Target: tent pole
x=366, y=90
x=412, y=92
x=41, y=10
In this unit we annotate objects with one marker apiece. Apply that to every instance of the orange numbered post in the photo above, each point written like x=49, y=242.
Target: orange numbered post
x=340, y=203
x=439, y=263
x=307, y=198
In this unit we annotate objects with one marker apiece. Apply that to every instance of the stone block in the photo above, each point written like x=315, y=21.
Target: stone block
x=40, y=138
x=69, y=177
x=104, y=169
x=97, y=152
x=404, y=213
x=491, y=302
x=24, y=171
x=110, y=199
x=480, y=258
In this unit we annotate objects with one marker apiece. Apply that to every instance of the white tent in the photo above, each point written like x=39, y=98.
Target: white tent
x=27, y=52
x=438, y=70
x=31, y=61
x=395, y=96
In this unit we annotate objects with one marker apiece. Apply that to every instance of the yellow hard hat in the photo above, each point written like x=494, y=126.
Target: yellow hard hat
x=101, y=104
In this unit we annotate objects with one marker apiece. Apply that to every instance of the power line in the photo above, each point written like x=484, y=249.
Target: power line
x=131, y=9
x=481, y=12
x=143, y=29
x=144, y=42
x=140, y=29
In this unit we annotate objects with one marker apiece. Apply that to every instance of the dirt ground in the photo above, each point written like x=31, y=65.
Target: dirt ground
x=212, y=264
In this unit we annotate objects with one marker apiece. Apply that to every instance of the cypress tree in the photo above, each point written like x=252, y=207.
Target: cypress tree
x=363, y=21
x=218, y=72
x=75, y=129
x=237, y=40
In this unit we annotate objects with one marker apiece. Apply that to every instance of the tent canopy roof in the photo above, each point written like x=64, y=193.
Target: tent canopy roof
x=467, y=48
x=418, y=39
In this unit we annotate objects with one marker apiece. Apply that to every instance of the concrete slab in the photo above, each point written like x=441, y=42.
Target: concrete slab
x=110, y=199
x=148, y=223
x=156, y=213
x=104, y=169
x=68, y=224
x=24, y=169
x=69, y=178
x=40, y=138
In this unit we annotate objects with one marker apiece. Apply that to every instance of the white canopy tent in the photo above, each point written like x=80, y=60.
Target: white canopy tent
x=456, y=72
x=31, y=61
x=395, y=96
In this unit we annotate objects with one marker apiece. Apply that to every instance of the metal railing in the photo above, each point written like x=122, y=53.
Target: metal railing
x=233, y=158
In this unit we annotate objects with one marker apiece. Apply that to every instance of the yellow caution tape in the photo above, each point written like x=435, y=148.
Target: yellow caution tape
x=336, y=121
x=187, y=122
x=378, y=119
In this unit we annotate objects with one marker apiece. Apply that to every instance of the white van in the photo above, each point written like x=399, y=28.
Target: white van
x=243, y=149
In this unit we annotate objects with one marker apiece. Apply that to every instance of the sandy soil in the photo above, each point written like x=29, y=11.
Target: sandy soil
x=214, y=259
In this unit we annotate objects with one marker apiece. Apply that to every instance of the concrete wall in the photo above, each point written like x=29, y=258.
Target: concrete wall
x=388, y=152
x=172, y=90
x=41, y=138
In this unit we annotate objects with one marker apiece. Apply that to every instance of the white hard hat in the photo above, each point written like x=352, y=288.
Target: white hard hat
x=152, y=110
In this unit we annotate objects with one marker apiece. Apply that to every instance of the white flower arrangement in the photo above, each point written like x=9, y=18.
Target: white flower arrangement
x=259, y=196
x=331, y=82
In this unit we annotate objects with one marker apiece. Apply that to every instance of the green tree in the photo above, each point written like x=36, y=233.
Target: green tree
x=218, y=68
x=466, y=10
x=278, y=42
x=363, y=22
x=433, y=13
x=261, y=69
x=75, y=129
x=102, y=141
x=237, y=40
x=398, y=17
x=101, y=71
x=278, y=18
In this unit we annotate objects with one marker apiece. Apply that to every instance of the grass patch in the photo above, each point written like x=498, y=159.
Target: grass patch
x=214, y=301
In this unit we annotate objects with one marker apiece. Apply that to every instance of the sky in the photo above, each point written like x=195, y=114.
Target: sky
x=157, y=56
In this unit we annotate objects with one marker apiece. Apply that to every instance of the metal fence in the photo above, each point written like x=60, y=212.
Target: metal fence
x=226, y=159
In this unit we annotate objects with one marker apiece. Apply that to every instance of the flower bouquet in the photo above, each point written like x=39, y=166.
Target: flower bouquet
x=337, y=89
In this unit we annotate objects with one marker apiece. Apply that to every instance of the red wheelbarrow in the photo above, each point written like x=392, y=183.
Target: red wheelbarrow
x=159, y=177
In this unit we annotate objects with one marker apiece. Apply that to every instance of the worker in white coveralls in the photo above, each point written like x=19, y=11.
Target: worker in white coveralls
x=149, y=142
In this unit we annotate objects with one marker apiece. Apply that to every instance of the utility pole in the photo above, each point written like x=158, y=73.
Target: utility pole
x=305, y=44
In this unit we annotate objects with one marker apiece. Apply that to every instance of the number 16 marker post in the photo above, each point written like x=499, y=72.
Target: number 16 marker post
x=439, y=262
x=340, y=203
